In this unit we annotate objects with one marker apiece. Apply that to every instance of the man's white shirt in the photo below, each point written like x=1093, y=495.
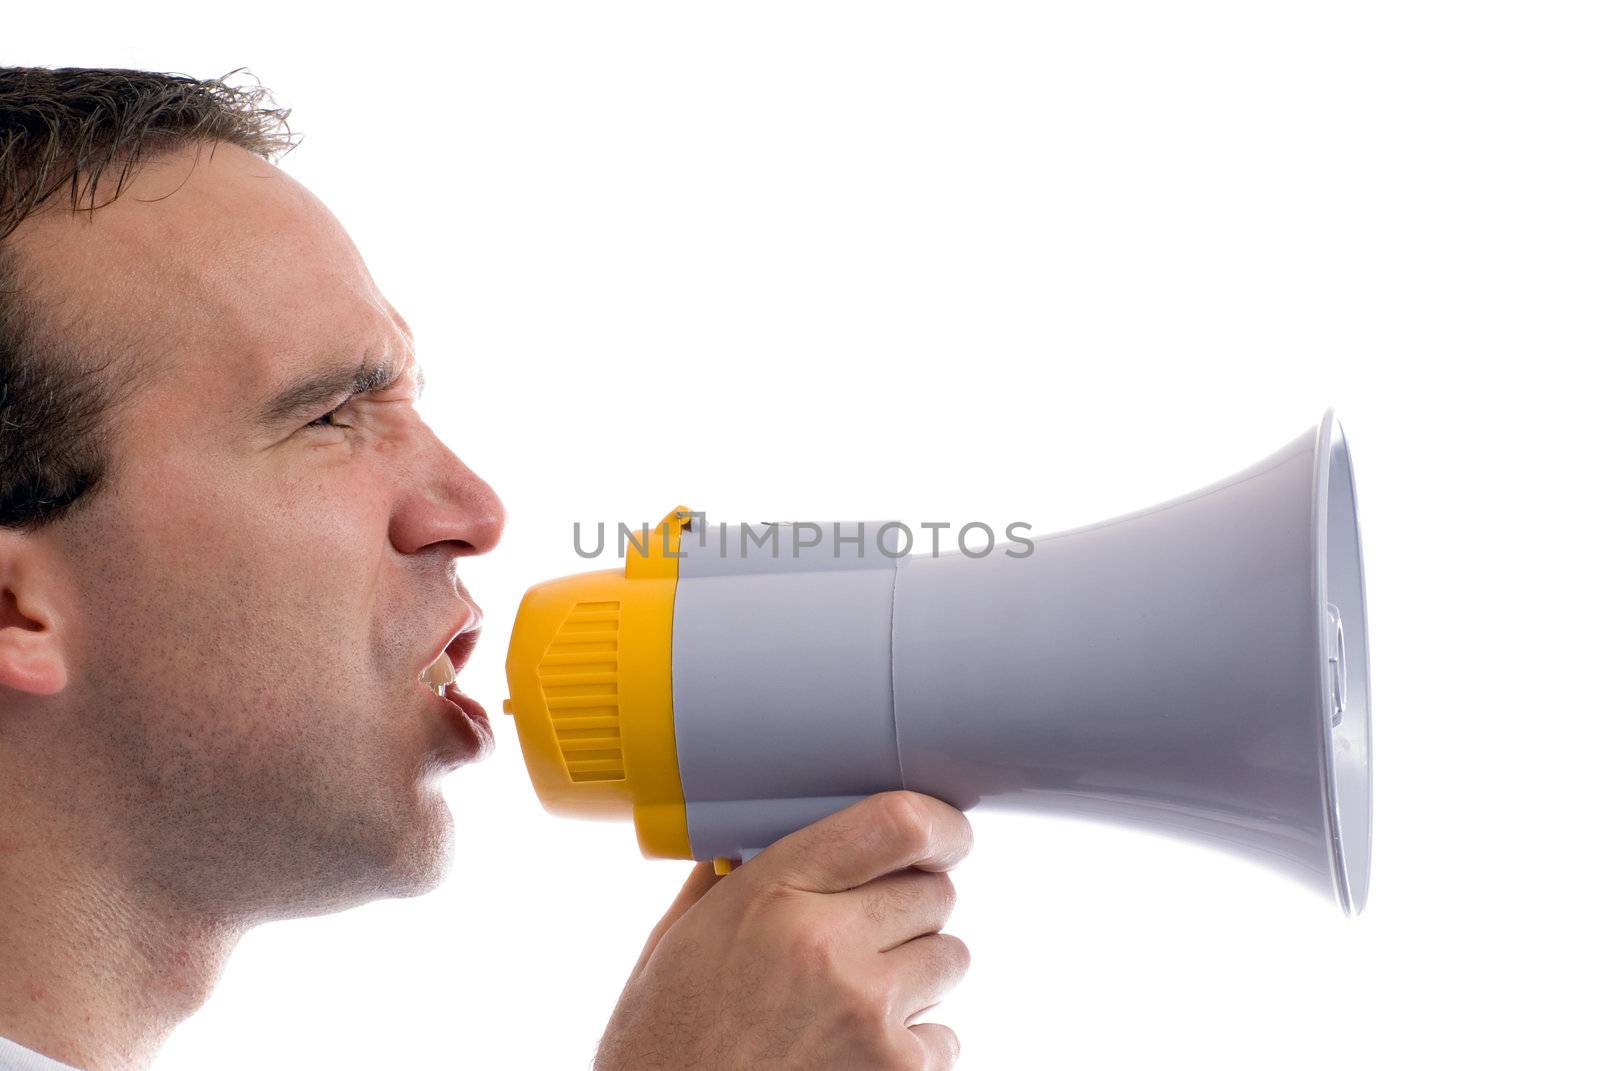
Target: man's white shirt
x=14, y=1057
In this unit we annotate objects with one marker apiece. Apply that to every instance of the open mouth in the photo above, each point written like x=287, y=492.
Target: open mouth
x=441, y=672
x=439, y=676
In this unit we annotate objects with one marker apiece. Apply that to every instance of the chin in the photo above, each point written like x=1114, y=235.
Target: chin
x=415, y=856
x=401, y=856
x=429, y=847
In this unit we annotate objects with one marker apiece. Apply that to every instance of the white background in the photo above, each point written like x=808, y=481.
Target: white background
x=989, y=261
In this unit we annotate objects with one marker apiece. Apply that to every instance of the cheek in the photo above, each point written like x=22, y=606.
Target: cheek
x=249, y=578
x=322, y=529
x=325, y=541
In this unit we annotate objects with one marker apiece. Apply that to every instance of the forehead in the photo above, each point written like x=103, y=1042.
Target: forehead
x=217, y=268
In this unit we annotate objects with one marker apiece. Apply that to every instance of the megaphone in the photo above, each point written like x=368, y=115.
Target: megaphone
x=1198, y=667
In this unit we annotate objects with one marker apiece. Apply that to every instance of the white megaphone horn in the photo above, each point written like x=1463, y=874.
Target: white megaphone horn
x=1199, y=668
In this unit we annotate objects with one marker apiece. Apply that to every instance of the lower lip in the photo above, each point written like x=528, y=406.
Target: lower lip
x=472, y=719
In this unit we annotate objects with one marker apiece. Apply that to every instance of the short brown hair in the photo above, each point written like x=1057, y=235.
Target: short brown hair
x=63, y=133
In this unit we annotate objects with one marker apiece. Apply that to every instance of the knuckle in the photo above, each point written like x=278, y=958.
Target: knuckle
x=905, y=817
x=880, y=906
x=815, y=950
x=867, y=1014
x=891, y=897
x=874, y=1036
x=941, y=1048
x=768, y=898
x=885, y=1055
x=958, y=955
x=909, y=1055
x=940, y=889
x=964, y=826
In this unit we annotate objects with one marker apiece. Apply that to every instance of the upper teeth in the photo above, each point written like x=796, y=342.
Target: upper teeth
x=441, y=673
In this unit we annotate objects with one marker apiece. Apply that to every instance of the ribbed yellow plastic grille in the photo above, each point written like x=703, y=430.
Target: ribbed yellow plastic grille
x=578, y=676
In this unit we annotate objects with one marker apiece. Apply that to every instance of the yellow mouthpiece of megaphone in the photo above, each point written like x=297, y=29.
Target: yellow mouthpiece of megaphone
x=590, y=672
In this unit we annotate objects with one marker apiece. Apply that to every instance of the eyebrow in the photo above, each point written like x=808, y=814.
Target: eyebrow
x=322, y=389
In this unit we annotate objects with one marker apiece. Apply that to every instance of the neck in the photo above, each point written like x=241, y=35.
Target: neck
x=94, y=971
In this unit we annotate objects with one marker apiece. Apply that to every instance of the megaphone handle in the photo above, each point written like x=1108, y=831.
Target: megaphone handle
x=723, y=864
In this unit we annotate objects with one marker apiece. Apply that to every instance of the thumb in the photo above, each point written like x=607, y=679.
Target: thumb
x=699, y=882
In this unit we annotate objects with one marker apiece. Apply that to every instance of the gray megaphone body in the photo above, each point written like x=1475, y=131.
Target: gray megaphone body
x=1199, y=668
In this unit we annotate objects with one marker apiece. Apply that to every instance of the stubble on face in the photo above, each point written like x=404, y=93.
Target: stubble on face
x=252, y=735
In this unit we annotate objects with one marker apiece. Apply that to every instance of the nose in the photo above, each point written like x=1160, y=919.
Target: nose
x=452, y=508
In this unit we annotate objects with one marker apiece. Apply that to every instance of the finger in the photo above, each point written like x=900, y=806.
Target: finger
x=700, y=880
x=925, y=970
x=940, y=1043
x=875, y=836
x=901, y=906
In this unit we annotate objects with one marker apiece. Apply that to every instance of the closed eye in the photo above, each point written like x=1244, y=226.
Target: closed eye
x=326, y=419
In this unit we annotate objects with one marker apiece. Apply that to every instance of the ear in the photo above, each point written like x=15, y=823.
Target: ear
x=32, y=654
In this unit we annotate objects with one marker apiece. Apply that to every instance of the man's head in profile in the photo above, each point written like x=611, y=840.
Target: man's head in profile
x=228, y=551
